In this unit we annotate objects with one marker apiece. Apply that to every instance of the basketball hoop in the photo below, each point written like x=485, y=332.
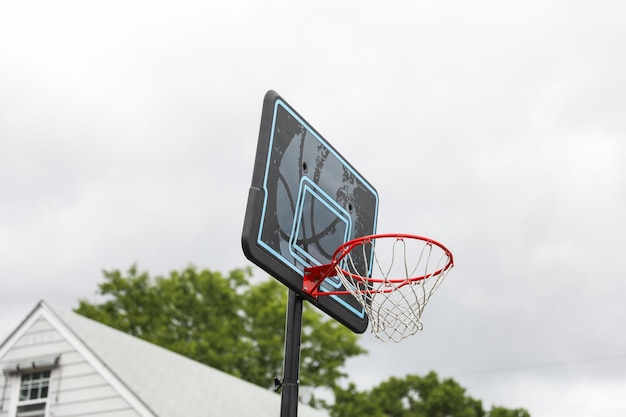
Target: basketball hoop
x=392, y=276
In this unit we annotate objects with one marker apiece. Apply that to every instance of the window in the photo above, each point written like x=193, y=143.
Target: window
x=33, y=394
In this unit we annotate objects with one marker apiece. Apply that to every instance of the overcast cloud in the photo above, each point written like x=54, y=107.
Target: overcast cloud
x=128, y=131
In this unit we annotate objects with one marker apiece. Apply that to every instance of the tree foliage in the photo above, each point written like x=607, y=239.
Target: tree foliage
x=228, y=323
x=223, y=321
x=414, y=396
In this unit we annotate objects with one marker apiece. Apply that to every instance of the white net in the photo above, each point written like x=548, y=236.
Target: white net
x=393, y=277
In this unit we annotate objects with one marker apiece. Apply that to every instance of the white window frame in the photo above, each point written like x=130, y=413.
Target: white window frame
x=16, y=385
x=34, y=401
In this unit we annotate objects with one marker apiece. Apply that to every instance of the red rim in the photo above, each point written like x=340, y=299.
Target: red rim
x=343, y=251
x=314, y=276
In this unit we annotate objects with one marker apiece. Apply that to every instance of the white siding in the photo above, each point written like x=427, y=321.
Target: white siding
x=76, y=387
x=104, y=372
x=6, y=388
x=40, y=340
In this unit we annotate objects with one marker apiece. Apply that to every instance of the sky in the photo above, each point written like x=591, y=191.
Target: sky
x=128, y=133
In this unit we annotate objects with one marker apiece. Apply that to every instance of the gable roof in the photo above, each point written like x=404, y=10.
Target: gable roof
x=163, y=383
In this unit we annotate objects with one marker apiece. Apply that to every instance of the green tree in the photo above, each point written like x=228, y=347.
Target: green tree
x=505, y=412
x=230, y=324
x=414, y=396
x=223, y=321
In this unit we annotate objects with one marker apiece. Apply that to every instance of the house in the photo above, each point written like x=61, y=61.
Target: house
x=60, y=364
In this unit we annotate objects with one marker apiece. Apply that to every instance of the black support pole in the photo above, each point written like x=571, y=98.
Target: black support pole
x=291, y=367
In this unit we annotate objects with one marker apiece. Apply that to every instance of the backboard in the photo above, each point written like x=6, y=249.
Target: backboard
x=304, y=202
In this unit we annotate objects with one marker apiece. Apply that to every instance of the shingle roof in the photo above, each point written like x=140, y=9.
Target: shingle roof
x=170, y=384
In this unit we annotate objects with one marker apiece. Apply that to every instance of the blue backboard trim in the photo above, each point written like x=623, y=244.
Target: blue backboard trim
x=305, y=200
x=309, y=188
